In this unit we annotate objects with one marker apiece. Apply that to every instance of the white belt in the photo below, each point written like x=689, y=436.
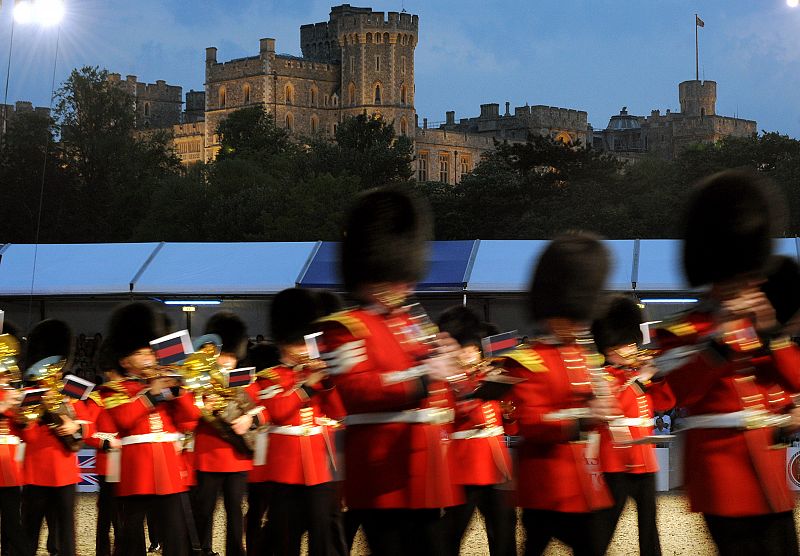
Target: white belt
x=152, y=437
x=431, y=415
x=746, y=419
x=631, y=422
x=296, y=430
x=488, y=432
x=9, y=440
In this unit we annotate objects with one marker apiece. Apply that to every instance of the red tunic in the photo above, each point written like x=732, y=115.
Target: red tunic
x=259, y=390
x=47, y=461
x=478, y=451
x=101, y=429
x=728, y=471
x=398, y=464
x=306, y=458
x=555, y=471
x=636, y=403
x=10, y=472
x=151, y=467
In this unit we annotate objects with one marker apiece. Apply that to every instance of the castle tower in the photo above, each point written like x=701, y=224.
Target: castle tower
x=377, y=63
x=698, y=98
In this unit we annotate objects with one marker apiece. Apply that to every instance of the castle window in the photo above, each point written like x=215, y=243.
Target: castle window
x=289, y=94
x=403, y=126
x=335, y=100
x=326, y=99
x=314, y=124
x=290, y=121
x=335, y=127
x=402, y=65
x=313, y=96
x=351, y=94
x=352, y=65
x=369, y=38
x=377, y=63
x=246, y=93
x=403, y=94
x=378, y=38
x=444, y=168
x=702, y=113
x=146, y=109
x=222, y=95
x=386, y=38
x=377, y=94
x=463, y=166
x=422, y=166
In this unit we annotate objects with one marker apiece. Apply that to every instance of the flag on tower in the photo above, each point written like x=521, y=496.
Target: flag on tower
x=699, y=22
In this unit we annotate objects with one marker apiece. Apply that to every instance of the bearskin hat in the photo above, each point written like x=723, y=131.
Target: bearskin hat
x=231, y=329
x=385, y=239
x=329, y=302
x=48, y=338
x=106, y=360
x=463, y=324
x=292, y=313
x=569, y=277
x=263, y=355
x=782, y=287
x=728, y=229
x=132, y=327
x=619, y=324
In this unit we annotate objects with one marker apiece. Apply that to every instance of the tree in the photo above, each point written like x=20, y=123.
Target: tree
x=251, y=133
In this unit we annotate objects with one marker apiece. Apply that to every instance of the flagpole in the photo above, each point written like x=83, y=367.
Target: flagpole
x=696, y=52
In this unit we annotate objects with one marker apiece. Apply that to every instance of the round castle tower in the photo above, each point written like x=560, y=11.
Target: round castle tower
x=377, y=64
x=698, y=98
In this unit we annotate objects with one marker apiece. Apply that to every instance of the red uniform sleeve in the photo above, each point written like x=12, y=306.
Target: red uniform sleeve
x=786, y=360
x=92, y=414
x=127, y=415
x=661, y=396
x=185, y=414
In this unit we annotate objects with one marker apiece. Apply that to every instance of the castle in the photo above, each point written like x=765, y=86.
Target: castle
x=362, y=61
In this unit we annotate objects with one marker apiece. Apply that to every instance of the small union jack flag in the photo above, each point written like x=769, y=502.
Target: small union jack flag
x=172, y=348
x=87, y=462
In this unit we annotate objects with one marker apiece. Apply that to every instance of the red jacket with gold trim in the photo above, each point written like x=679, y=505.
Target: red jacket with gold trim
x=10, y=432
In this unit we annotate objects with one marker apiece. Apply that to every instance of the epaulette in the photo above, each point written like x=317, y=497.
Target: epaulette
x=354, y=325
x=269, y=373
x=528, y=358
x=116, y=400
x=682, y=328
x=96, y=398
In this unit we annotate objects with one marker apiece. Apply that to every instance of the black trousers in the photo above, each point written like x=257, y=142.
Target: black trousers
x=167, y=510
x=208, y=487
x=642, y=488
x=60, y=502
x=107, y=516
x=12, y=539
x=256, y=531
x=400, y=532
x=295, y=509
x=761, y=535
x=498, y=514
x=579, y=531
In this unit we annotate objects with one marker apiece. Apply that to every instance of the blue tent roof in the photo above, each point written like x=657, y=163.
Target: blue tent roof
x=449, y=263
x=223, y=268
x=71, y=269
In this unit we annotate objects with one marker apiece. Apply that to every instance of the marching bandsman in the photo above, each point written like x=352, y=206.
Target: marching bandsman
x=302, y=404
x=480, y=461
x=730, y=365
x=557, y=407
x=219, y=465
x=390, y=373
x=627, y=458
x=104, y=438
x=50, y=465
x=263, y=357
x=12, y=539
x=149, y=411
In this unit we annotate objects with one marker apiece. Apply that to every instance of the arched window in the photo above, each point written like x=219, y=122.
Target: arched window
x=146, y=109
x=378, y=38
x=289, y=92
x=403, y=94
x=351, y=94
x=402, y=65
x=246, y=93
x=369, y=38
x=222, y=95
x=312, y=96
x=377, y=93
x=403, y=126
x=290, y=121
x=314, y=124
x=326, y=100
x=335, y=100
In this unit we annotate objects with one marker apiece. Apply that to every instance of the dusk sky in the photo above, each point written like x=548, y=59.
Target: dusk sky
x=593, y=55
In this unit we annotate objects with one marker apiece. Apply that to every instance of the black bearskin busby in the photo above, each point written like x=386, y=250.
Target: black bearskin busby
x=106, y=360
x=329, y=302
x=292, y=314
x=619, y=324
x=569, y=277
x=730, y=221
x=132, y=327
x=51, y=337
x=782, y=287
x=232, y=330
x=385, y=239
x=463, y=324
x=262, y=356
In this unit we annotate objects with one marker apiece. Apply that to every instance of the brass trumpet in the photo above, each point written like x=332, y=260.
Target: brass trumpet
x=9, y=351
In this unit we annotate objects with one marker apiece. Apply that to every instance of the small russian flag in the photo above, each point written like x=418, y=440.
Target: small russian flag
x=235, y=378
x=172, y=348
x=32, y=396
x=494, y=346
x=76, y=387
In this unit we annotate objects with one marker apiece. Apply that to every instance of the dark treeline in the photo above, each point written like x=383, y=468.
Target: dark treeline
x=107, y=182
